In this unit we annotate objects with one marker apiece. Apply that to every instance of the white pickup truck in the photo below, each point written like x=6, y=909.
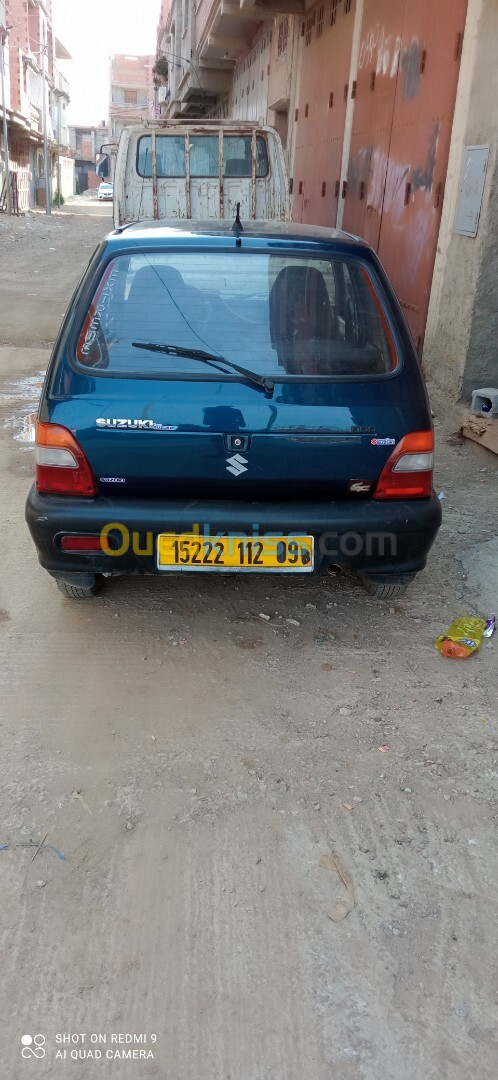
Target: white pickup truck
x=201, y=170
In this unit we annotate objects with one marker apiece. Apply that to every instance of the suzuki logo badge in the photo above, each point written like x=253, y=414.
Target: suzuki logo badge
x=236, y=464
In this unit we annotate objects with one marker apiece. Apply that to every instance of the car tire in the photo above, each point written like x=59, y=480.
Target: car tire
x=387, y=590
x=78, y=592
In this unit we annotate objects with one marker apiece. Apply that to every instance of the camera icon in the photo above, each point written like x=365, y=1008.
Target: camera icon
x=33, y=1046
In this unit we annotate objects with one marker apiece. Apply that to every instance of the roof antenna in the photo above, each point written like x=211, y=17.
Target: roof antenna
x=237, y=226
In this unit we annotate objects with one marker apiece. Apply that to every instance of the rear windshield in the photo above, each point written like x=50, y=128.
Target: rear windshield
x=204, y=156
x=291, y=317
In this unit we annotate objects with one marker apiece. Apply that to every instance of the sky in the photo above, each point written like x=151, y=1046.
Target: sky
x=92, y=30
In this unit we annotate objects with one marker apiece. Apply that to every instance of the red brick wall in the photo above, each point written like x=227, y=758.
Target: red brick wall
x=19, y=164
x=132, y=73
x=18, y=38
x=94, y=181
x=18, y=153
x=86, y=151
x=25, y=35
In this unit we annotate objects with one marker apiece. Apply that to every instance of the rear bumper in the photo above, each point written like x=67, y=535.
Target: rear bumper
x=377, y=538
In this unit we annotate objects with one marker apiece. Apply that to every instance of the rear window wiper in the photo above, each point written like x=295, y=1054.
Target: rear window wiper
x=265, y=384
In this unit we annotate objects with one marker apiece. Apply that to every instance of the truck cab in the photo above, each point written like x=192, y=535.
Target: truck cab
x=200, y=170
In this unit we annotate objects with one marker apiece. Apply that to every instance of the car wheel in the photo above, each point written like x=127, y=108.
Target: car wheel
x=387, y=590
x=78, y=592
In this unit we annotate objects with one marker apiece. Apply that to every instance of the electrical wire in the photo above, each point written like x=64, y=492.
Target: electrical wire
x=185, y=61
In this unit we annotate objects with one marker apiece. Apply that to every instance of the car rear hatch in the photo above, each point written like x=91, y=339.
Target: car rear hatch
x=207, y=440
x=158, y=426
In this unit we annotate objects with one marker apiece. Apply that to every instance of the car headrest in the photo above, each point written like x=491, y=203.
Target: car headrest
x=299, y=296
x=156, y=282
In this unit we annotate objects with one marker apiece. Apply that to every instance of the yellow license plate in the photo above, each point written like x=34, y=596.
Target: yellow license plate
x=190, y=551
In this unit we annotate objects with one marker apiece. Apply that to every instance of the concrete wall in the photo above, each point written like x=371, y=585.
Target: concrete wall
x=461, y=351
x=283, y=83
x=481, y=367
x=249, y=96
x=67, y=176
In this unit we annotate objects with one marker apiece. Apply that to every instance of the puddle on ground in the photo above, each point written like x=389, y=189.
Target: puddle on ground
x=21, y=398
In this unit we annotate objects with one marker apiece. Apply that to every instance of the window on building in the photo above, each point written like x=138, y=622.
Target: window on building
x=319, y=23
x=334, y=7
x=310, y=22
x=283, y=35
x=130, y=97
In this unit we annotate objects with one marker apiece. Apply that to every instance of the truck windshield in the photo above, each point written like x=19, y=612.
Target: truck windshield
x=281, y=316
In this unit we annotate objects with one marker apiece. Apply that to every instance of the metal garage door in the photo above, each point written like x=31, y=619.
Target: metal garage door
x=404, y=101
x=326, y=51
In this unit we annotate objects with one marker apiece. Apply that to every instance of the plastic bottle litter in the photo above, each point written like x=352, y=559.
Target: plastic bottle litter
x=463, y=637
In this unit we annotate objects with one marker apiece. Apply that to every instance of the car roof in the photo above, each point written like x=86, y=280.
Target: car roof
x=251, y=229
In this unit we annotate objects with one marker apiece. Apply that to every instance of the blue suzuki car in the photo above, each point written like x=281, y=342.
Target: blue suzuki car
x=238, y=400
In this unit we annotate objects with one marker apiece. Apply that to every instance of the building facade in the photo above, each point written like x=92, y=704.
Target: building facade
x=379, y=104
x=131, y=91
x=35, y=86
x=89, y=146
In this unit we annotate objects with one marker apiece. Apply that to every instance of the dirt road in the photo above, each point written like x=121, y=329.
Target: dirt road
x=193, y=763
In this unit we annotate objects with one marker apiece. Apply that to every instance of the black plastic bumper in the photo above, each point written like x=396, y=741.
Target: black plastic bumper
x=375, y=538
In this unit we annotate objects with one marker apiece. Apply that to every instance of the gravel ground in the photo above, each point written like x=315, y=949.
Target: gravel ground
x=196, y=764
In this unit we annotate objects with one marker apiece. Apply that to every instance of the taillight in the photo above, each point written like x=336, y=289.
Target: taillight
x=61, y=466
x=407, y=473
x=81, y=543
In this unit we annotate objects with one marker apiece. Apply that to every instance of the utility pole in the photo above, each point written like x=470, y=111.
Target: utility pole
x=46, y=156
x=3, y=39
x=59, y=126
